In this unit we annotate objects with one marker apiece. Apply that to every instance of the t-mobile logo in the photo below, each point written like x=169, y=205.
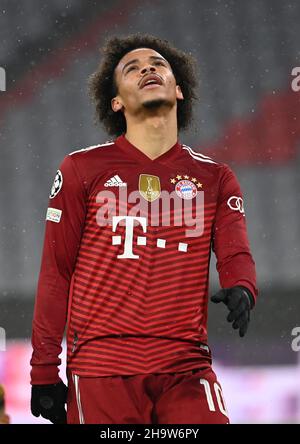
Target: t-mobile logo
x=129, y=224
x=141, y=240
x=2, y=79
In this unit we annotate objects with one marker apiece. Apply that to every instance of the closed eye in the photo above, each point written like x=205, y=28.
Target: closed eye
x=131, y=68
x=157, y=62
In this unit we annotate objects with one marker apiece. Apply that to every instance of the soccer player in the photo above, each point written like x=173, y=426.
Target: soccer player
x=125, y=266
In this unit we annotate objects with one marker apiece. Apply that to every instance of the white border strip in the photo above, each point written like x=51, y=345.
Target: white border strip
x=197, y=153
x=92, y=147
x=198, y=156
x=80, y=412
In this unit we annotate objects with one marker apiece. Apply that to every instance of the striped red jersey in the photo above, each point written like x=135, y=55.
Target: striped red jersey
x=125, y=263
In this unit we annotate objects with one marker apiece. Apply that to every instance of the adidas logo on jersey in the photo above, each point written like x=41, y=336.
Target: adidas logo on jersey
x=115, y=181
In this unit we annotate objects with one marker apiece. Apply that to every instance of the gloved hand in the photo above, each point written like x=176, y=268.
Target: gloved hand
x=239, y=301
x=49, y=401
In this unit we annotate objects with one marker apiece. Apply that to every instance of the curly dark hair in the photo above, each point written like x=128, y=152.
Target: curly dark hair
x=102, y=84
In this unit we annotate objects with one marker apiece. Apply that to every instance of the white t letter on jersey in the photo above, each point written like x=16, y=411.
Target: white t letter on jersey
x=129, y=223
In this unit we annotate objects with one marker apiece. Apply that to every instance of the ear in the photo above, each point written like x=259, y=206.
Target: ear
x=179, y=94
x=116, y=104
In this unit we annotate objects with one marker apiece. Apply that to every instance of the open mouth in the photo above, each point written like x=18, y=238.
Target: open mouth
x=150, y=82
x=151, y=85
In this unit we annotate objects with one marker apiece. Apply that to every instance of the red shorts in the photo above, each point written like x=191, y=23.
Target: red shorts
x=192, y=397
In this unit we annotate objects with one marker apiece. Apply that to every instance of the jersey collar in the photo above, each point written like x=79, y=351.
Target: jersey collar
x=133, y=151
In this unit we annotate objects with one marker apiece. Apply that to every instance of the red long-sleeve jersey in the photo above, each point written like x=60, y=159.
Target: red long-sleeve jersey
x=131, y=283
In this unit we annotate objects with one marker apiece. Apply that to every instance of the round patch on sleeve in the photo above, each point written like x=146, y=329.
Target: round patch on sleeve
x=57, y=184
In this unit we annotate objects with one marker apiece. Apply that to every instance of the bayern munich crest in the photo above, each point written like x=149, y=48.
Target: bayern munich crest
x=186, y=187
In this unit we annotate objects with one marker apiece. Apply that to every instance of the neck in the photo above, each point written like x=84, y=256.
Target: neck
x=154, y=134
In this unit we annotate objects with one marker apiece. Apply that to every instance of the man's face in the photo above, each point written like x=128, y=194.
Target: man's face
x=144, y=81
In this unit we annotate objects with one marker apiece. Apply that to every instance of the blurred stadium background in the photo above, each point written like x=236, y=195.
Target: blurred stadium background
x=248, y=116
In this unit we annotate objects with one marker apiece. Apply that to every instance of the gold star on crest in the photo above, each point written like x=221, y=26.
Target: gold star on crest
x=178, y=177
x=172, y=180
x=199, y=185
x=194, y=179
x=186, y=177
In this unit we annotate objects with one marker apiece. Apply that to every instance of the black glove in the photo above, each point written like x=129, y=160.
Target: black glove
x=239, y=301
x=49, y=401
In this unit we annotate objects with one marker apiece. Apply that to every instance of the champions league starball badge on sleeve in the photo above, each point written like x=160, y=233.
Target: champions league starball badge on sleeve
x=57, y=184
